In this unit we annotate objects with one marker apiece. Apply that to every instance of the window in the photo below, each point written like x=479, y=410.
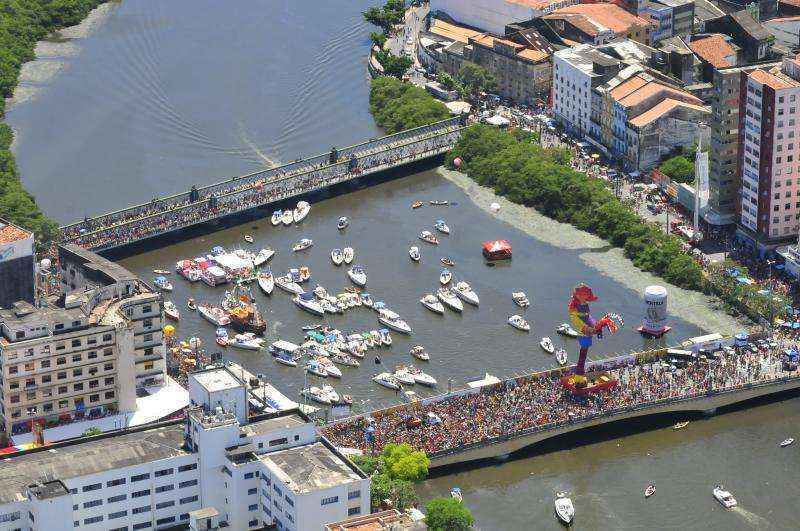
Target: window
x=164, y=505
x=250, y=492
x=147, y=309
x=186, y=468
x=46, y=378
x=77, y=372
x=248, y=475
x=140, y=493
x=278, y=442
x=108, y=367
x=277, y=489
x=353, y=495
x=108, y=381
x=45, y=364
x=190, y=499
x=165, y=472
x=115, y=482
x=114, y=499
x=162, y=521
x=78, y=387
x=76, y=342
x=190, y=483
x=93, y=503
x=184, y=516
x=92, y=487
x=289, y=500
x=94, y=398
x=92, y=520
x=143, y=525
x=140, y=477
x=148, y=338
x=252, y=523
x=118, y=514
x=76, y=358
x=62, y=376
x=61, y=361
x=353, y=511
x=253, y=507
x=108, y=395
x=108, y=352
x=142, y=509
x=330, y=500
x=165, y=488
x=106, y=337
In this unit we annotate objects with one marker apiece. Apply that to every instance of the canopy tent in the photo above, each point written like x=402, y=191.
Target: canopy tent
x=497, y=249
x=498, y=121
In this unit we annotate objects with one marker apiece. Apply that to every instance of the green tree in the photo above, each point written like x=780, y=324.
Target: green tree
x=393, y=65
x=367, y=463
x=397, y=106
x=378, y=39
x=91, y=432
x=447, y=514
x=476, y=79
x=447, y=81
x=401, y=493
x=402, y=462
x=392, y=13
x=679, y=169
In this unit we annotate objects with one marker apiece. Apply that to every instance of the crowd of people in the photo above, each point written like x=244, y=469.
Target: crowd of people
x=539, y=400
x=235, y=196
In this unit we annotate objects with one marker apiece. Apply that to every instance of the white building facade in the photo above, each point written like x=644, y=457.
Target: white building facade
x=493, y=15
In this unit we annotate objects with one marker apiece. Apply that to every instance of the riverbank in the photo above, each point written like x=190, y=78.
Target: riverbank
x=692, y=306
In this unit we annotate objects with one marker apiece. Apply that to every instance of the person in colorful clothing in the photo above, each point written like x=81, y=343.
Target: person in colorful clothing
x=584, y=323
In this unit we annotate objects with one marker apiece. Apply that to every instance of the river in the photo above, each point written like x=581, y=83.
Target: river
x=150, y=97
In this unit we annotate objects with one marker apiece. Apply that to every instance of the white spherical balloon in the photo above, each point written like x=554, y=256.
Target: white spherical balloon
x=495, y=207
x=45, y=263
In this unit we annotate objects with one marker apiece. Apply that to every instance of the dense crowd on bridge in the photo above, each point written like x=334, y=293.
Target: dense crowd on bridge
x=158, y=217
x=510, y=408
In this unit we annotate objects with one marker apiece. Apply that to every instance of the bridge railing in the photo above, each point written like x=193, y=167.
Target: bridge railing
x=173, y=201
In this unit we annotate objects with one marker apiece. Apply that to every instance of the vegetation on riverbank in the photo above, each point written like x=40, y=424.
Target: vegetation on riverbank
x=394, y=473
x=679, y=168
x=541, y=178
x=24, y=22
x=397, y=106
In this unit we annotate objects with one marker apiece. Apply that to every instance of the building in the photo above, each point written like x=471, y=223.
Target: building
x=746, y=33
x=705, y=10
x=759, y=10
x=492, y=15
x=769, y=154
x=209, y=470
x=673, y=18
x=17, y=268
x=715, y=51
x=80, y=356
x=599, y=24
x=389, y=520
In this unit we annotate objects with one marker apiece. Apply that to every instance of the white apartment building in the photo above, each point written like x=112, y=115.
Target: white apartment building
x=494, y=15
x=268, y=470
x=770, y=154
x=573, y=71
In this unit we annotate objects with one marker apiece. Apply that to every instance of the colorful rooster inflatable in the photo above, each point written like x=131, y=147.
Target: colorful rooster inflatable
x=585, y=324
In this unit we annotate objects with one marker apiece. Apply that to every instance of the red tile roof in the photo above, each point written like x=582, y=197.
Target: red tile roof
x=715, y=50
x=10, y=233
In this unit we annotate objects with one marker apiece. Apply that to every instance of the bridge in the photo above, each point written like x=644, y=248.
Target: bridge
x=235, y=196
x=499, y=419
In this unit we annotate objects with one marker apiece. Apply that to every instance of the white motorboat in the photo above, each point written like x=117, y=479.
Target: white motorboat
x=357, y=275
x=432, y=303
x=649, y=490
x=317, y=395
x=566, y=330
x=342, y=223
x=786, y=442
x=391, y=320
x=421, y=377
x=287, y=284
x=337, y=257
x=330, y=369
x=316, y=368
x=413, y=253
x=441, y=226
x=276, y=218
x=450, y=300
x=171, y=311
x=283, y=360
x=562, y=357
x=266, y=282
x=190, y=304
x=162, y=272
x=387, y=380
x=284, y=352
x=418, y=351
x=724, y=497
x=376, y=338
x=547, y=345
x=519, y=323
x=263, y=256
x=565, y=511
x=301, y=211
x=345, y=359
x=248, y=238
x=349, y=255
x=162, y=283
x=445, y=276
x=307, y=302
x=302, y=245
x=427, y=236
x=465, y=292
x=366, y=300
x=403, y=376
x=214, y=315
x=521, y=299
x=246, y=341
x=329, y=307
x=287, y=217
x=331, y=393
x=386, y=337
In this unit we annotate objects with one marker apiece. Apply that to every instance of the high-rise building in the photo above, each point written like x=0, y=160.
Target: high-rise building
x=17, y=268
x=769, y=155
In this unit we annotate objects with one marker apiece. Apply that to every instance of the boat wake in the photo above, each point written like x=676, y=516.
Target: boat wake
x=752, y=519
x=244, y=137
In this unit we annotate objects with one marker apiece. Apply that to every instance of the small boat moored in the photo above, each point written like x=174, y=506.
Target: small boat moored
x=357, y=275
x=416, y=204
x=171, y=311
x=337, y=257
x=246, y=341
x=391, y=320
x=287, y=217
x=301, y=211
x=445, y=276
x=565, y=511
x=441, y=226
x=465, y=292
x=724, y=497
x=263, y=256
x=413, y=253
x=302, y=245
x=266, y=282
x=447, y=261
x=680, y=425
x=562, y=357
x=547, y=345
x=565, y=329
x=455, y=493
x=786, y=442
x=427, y=236
x=519, y=323
x=162, y=283
x=342, y=223
x=287, y=284
x=520, y=299
x=450, y=300
x=306, y=301
x=190, y=304
x=432, y=303
x=349, y=255
x=387, y=380
x=649, y=490
x=418, y=351
x=248, y=238
x=276, y=218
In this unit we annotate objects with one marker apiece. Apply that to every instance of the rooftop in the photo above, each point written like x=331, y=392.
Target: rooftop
x=746, y=21
x=715, y=50
x=528, y=54
x=706, y=10
x=216, y=379
x=310, y=467
x=391, y=520
x=280, y=422
x=641, y=87
x=11, y=233
x=541, y=5
x=662, y=109
x=774, y=79
x=452, y=31
x=82, y=457
x=602, y=17
x=94, y=262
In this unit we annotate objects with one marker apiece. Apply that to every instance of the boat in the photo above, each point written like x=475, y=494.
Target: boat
x=649, y=490
x=565, y=511
x=519, y=323
x=547, y=345
x=306, y=301
x=450, y=300
x=337, y=257
x=465, y=292
x=386, y=337
x=171, y=311
x=724, y=497
x=680, y=425
x=427, y=236
x=416, y=204
x=521, y=299
x=248, y=238
x=316, y=368
x=413, y=253
x=562, y=357
x=349, y=254
x=357, y=275
x=287, y=284
x=214, y=315
x=162, y=283
x=441, y=226
x=284, y=352
x=301, y=211
x=317, y=395
x=366, y=300
x=330, y=369
x=263, y=256
x=246, y=341
x=566, y=330
x=344, y=359
x=447, y=261
x=376, y=338
x=162, y=272
x=391, y=320
x=276, y=218
x=190, y=304
x=342, y=223
x=437, y=202
x=221, y=337
x=287, y=217
x=432, y=303
x=332, y=395
x=418, y=351
x=387, y=380
x=455, y=493
x=266, y=282
x=245, y=317
x=421, y=377
x=786, y=442
x=302, y=245
x=445, y=276
x=285, y=360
